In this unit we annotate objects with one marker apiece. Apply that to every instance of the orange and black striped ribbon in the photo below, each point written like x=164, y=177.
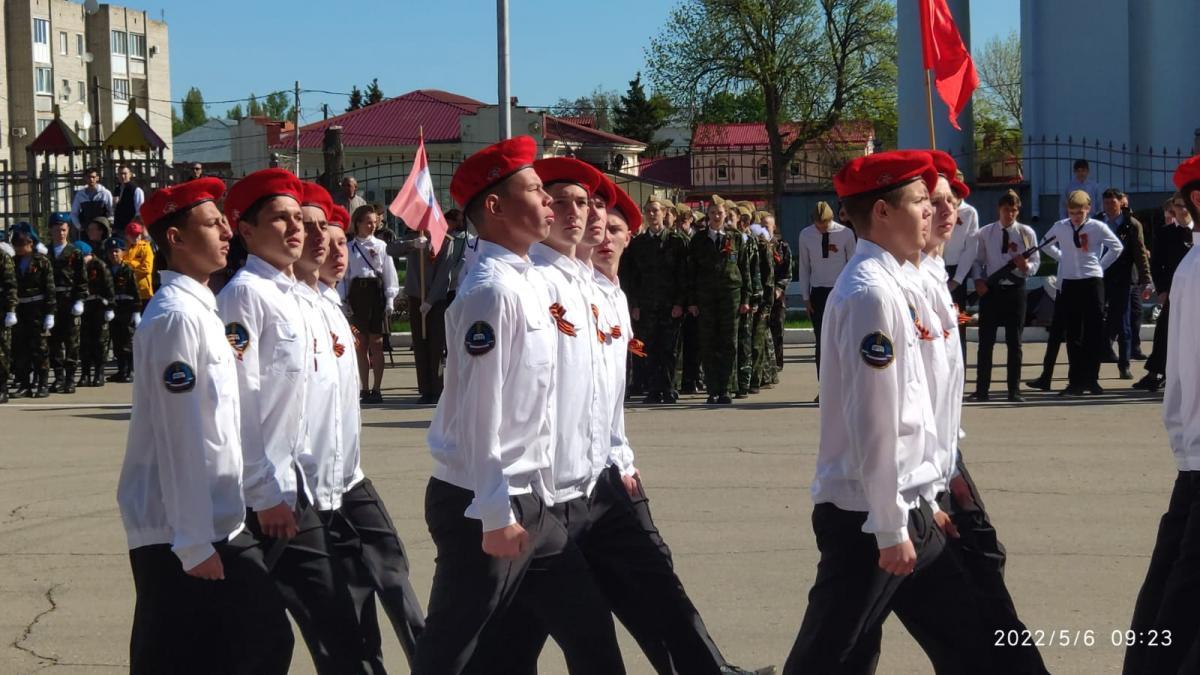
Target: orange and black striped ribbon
x=565, y=327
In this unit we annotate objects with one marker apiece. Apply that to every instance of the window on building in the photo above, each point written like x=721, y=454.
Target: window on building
x=120, y=89
x=79, y=44
x=120, y=43
x=41, y=32
x=42, y=123
x=63, y=43
x=137, y=46
x=764, y=170
x=722, y=171
x=43, y=81
x=794, y=169
x=82, y=91
x=65, y=90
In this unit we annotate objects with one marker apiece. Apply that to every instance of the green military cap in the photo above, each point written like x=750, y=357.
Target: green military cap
x=719, y=201
x=683, y=210
x=748, y=205
x=760, y=215
x=653, y=199
x=667, y=204
x=822, y=212
x=697, y=216
x=744, y=211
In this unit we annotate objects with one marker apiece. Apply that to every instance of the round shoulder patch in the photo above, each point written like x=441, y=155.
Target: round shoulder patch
x=877, y=350
x=238, y=336
x=481, y=338
x=179, y=377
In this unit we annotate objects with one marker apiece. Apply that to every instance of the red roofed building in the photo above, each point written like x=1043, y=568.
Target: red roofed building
x=734, y=160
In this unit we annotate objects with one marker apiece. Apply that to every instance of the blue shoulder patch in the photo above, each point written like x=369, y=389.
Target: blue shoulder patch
x=238, y=336
x=877, y=350
x=481, y=338
x=179, y=377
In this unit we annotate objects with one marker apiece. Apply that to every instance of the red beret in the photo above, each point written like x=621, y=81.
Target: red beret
x=340, y=217
x=489, y=166
x=946, y=166
x=1188, y=172
x=315, y=195
x=260, y=184
x=628, y=208
x=608, y=190
x=568, y=170
x=176, y=198
x=883, y=171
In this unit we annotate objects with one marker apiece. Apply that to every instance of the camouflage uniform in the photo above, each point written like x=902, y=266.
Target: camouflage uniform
x=719, y=275
x=70, y=286
x=745, y=322
x=93, y=329
x=762, y=374
x=35, y=301
x=656, y=282
x=8, y=303
x=636, y=375
x=783, y=275
x=127, y=303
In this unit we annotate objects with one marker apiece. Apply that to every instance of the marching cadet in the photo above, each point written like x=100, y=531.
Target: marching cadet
x=8, y=307
x=669, y=213
x=881, y=548
x=128, y=315
x=655, y=280
x=70, y=288
x=689, y=338
x=825, y=248
x=97, y=313
x=718, y=293
x=745, y=320
x=380, y=549
x=204, y=601
x=1079, y=241
x=276, y=357
x=492, y=439
x=35, y=314
x=961, y=249
x=1002, y=245
x=1165, y=616
x=783, y=276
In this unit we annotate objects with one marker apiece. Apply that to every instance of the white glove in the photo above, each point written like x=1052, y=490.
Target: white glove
x=10, y=319
x=109, y=316
x=137, y=319
x=420, y=242
x=77, y=308
x=48, y=323
x=425, y=307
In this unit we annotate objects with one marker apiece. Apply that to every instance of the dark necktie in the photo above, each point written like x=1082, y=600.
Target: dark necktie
x=824, y=244
x=1004, y=240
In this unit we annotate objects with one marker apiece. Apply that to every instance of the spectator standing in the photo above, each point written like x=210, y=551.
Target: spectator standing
x=369, y=288
x=141, y=260
x=1080, y=181
x=129, y=198
x=1171, y=244
x=348, y=197
x=1120, y=276
x=91, y=201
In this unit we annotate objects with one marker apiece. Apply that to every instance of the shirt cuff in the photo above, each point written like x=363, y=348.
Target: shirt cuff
x=496, y=516
x=889, y=539
x=190, y=556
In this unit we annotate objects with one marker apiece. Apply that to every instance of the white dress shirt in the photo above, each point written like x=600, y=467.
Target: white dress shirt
x=264, y=322
x=817, y=267
x=581, y=440
x=493, y=431
x=1181, y=402
x=617, y=327
x=324, y=458
x=878, y=435
x=960, y=249
x=342, y=339
x=992, y=255
x=1083, y=262
x=369, y=260
x=181, y=481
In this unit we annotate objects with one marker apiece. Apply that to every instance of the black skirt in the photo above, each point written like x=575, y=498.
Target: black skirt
x=367, y=305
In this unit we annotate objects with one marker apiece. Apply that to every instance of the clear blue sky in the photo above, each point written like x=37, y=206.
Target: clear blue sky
x=232, y=48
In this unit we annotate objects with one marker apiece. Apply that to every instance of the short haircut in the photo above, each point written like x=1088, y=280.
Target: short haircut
x=1078, y=198
x=859, y=207
x=1186, y=192
x=454, y=215
x=474, y=208
x=1169, y=204
x=91, y=170
x=1081, y=164
x=1113, y=193
x=1010, y=198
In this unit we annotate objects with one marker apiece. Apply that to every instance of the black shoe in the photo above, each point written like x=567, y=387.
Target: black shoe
x=1146, y=382
x=1137, y=355
x=4, y=389
x=1015, y=397
x=730, y=669
x=1095, y=389
x=671, y=397
x=741, y=394
x=980, y=397
x=376, y=396
x=364, y=395
x=653, y=397
x=1110, y=357
x=1072, y=391
x=689, y=390
x=1155, y=385
x=712, y=400
x=1126, y=374
x=27, y=392
x=1042, y=383
x=754, y=390
x=724, y=399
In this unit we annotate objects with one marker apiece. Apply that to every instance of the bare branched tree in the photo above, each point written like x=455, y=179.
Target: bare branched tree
x=999, y=68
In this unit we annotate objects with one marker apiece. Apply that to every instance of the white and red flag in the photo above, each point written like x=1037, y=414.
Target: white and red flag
x=417, y=204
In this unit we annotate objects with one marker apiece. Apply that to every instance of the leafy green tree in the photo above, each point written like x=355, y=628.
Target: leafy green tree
x=356, y=99
x=235, y=113
x=639, y=117
x=374, y=93
x=192, y=115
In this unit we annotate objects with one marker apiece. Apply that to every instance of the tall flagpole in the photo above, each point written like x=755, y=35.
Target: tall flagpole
x=502, y=69
x=929, y=105
x=421, y=253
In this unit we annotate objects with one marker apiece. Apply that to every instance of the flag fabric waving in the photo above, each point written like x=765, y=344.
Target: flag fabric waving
x=953, y=70
x=417, y=204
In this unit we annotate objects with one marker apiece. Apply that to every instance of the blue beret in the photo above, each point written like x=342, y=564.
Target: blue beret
x=113, y=243
x=60, y=217
x=84, y=247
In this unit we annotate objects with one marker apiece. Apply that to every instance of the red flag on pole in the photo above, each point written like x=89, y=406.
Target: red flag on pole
x=417, y=204
x=953, y=70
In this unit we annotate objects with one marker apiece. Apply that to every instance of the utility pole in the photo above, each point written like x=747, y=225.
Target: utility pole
x=502, y=68
x=95, y=139
x=324, y=111
x=296, y=128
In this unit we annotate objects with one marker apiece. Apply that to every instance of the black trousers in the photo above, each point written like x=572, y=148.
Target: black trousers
x=315, y=588
x=635, y=570
x=1055, y=336
x=689, y=351
x=1170, y=596
x=375, y=562
x=429, y=345
x=1118, y=319
x=472, y=589
x=1001, y=306
x=661, y=333
x=1135, y=318
x=851, y=597
x=183, y=625
x=1083, y=301
x=776, y=323
x=819, y=296
x=1157, y=363
x=959, y=296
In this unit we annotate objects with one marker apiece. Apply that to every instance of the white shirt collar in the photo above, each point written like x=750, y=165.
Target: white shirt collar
x=488, y=249
x=870, y=249
x=190, y=286
x=261, y=268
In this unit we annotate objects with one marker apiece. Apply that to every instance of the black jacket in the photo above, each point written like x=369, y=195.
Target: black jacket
x=1171, y=243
